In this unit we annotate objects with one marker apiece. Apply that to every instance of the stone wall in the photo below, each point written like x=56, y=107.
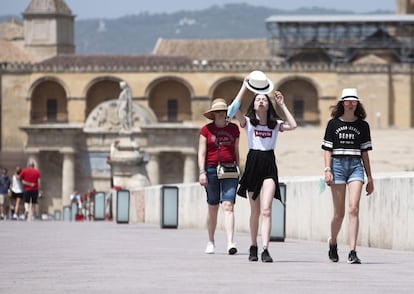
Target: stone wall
x=386, y=217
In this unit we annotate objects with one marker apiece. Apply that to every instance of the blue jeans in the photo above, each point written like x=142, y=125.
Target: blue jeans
x=346, y=169
x=220, y=190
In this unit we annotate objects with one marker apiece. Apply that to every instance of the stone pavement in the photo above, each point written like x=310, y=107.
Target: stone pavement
x=103, y=257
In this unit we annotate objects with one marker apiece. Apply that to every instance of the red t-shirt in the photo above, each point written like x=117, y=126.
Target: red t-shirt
x=225, y=137
x=30, y=175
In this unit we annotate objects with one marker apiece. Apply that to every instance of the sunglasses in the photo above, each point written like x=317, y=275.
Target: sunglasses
x=348, y=102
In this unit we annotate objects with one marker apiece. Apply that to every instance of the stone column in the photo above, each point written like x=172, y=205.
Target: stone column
x=68, y=176
x=153, y=168
x=190, y=167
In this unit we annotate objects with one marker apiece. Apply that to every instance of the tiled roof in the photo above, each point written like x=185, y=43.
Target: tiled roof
x=11, y=30
x=47, y=7
x=124, y=61
x=12, y=53
x=215, y=49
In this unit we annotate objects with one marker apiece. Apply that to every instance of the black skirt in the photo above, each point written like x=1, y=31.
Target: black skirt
x=260, y=165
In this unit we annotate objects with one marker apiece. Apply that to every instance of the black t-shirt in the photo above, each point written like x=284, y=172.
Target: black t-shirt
x=347, y=138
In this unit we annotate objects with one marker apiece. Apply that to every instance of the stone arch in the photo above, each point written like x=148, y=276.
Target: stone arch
x=170, y=99
x=48, y=97
x=228, y=88
x=301, y=97
x=100, y=90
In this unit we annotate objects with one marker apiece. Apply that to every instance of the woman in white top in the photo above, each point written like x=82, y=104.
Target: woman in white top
x=260, y=178
x=17, y=191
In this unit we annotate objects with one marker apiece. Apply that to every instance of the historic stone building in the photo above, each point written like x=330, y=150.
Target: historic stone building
x=59, y=109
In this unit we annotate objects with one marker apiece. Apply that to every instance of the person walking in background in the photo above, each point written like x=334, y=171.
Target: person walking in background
x=76, y=200
x=218, y=143
x=30, y=177
x=346, y=143
x=4, y=190
x=260, y=179
x=17, y=192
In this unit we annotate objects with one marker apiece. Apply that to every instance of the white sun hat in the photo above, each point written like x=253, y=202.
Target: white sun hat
x=258, y=83
x=349, y=94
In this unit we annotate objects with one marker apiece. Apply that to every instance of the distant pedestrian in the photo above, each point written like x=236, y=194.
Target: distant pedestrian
x=17, y=192
x=76, y=198
x=346, y=143
x=30, y=177
x=4, y=190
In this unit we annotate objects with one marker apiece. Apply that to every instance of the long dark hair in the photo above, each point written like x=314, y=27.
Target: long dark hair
x=338, y=110
x=272, y=115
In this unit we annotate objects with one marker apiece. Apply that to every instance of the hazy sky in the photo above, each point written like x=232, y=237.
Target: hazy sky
x=116, y=8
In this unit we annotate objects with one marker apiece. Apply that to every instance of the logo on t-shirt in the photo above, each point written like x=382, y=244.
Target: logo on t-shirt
x=262, y=134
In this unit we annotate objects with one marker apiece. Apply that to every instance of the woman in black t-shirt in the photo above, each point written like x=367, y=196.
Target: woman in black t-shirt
x=346, y=143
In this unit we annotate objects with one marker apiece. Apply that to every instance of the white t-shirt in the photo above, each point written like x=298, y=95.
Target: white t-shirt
x=17, y=186
x=261, y=137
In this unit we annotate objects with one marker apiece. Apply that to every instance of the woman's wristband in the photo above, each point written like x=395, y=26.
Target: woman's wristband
x=202, y=171
x=327, y=169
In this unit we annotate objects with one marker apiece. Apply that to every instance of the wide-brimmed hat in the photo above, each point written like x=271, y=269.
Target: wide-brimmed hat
x=349, y=94
x=258, y=83
x=218, y=104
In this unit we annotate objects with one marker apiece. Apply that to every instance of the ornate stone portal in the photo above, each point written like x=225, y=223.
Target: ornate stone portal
x=93, y=155
x=127, y=159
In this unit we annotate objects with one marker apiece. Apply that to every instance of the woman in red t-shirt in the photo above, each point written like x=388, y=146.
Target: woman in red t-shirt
x=219, y=143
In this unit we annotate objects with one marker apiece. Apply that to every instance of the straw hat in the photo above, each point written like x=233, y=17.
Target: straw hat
x=258, y=83
x=218, y=104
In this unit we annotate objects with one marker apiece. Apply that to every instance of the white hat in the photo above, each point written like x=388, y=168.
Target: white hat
x=258, y=83
x=349, y=94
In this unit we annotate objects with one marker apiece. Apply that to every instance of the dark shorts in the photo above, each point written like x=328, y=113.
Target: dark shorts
x=31, y=196
x=17, y=195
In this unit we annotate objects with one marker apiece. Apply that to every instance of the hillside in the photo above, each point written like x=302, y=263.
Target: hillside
x=137, y=34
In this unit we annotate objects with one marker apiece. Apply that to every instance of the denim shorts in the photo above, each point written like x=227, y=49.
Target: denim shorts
x=220, y=190
x=346, y=169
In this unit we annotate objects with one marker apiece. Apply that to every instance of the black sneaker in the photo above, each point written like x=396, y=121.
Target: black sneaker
x=333, y=251
x=266, y=256
x=253, y=253
x=353, y=258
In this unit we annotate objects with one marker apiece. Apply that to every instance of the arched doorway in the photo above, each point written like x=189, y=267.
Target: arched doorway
x=228, y=90
x=99, y=92
x=301, y=98
x=170, y=100
x=48, y=103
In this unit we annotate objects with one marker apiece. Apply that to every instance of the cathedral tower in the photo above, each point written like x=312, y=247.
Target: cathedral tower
x=48, y=28
x=405, y=7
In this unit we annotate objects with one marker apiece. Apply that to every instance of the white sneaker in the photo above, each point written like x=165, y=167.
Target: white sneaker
x=210, y=248
x=231, y=248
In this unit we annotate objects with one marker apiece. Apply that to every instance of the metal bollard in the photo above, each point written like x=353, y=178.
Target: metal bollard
x=99, y=206
x=122, y=207
x=169, y=207
x=66, y=213
x=278, y=231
